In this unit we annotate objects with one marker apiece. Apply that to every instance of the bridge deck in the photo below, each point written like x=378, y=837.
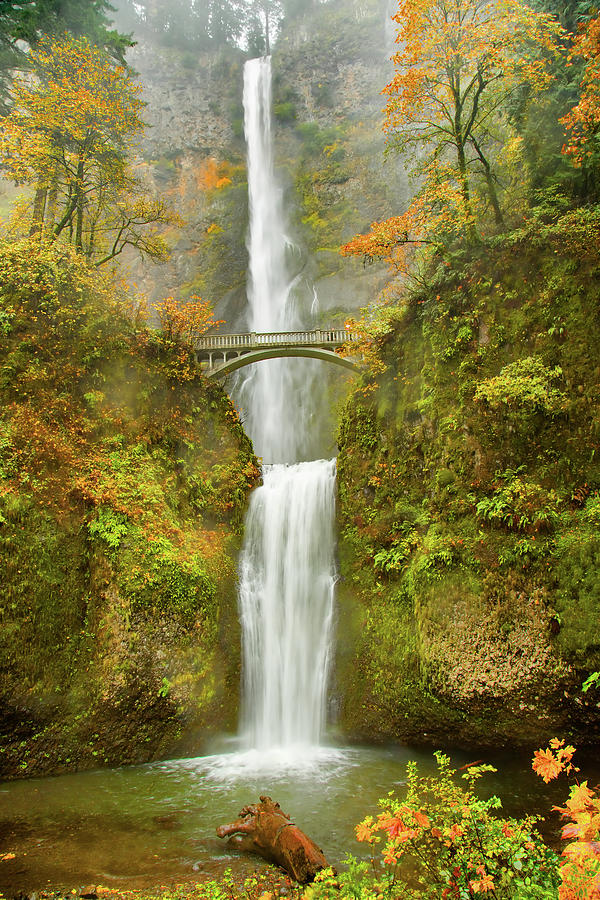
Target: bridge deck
x=330, y=337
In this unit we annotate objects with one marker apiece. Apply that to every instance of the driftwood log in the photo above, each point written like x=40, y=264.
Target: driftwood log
x=265, y=829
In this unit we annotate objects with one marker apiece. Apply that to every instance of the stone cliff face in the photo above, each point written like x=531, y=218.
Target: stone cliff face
x=192, y=142
x=328, y=72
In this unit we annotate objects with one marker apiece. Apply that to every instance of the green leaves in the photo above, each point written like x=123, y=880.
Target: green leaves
x=590, y=682
x=109, y=526
x=442, y=840
x=526, y=384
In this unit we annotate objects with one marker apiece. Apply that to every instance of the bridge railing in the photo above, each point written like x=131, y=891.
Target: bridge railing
x=253, y=339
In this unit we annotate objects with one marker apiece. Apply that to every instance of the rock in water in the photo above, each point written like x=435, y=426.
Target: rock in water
x=265, y=829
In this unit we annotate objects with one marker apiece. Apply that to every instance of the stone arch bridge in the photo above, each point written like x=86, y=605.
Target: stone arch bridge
x=224, y=353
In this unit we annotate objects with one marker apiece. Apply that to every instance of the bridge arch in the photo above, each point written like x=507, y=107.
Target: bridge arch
x=254, y=356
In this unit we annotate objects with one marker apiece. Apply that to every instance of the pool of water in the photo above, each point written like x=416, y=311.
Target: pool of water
x=155, y=824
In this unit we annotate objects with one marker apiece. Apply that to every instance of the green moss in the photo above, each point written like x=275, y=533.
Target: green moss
x=122, y=491
x=576, y=600
x=464, y=468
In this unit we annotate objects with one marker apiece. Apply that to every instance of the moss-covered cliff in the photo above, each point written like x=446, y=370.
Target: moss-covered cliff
x=123, y=481
x=469, y=478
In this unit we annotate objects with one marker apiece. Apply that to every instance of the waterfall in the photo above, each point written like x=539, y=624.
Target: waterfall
x=287, y=571
x=286, y=597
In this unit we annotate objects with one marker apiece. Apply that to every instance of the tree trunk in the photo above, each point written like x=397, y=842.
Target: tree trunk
x=79, y=205
x=489, y=180
x=67, y=216
x=459, y=143
x=264, y=829
x=464, y=183
x=39, y=208
x=51, y=207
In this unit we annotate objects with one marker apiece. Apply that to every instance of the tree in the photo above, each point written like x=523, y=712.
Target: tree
x=264, y=18
x=570, y=13
x=460, y=62
x=26, y=22
x=188, y=23
x=459, y=66
x=582, y=123
x=184, y=321
x=69, y=134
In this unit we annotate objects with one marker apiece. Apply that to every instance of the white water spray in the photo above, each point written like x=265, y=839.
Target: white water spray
x=287, y=571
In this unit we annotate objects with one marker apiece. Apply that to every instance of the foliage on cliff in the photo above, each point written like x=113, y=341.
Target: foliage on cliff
x=469, y=459
x=123, y=480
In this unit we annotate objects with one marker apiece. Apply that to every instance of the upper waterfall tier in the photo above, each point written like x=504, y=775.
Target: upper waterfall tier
x=277, y=397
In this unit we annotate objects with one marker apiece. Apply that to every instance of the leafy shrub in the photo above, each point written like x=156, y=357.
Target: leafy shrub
x=160, y=581
x=6, y=320
x=443, y=841
x=285, y=112
x=394, y=558
x=110, y=527
x=590, y=682
x=520, y=504
x=591, y=512
x=525, y=384
x=358, y=426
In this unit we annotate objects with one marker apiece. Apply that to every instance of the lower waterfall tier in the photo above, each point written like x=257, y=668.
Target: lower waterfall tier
x=287, y=579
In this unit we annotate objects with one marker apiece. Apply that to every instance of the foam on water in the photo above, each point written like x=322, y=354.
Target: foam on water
x=311, y=763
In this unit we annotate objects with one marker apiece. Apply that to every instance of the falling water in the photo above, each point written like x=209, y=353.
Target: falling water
x=287, y=571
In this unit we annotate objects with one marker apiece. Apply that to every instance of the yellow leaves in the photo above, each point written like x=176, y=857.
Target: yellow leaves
x=80, y=87
x=454, y=51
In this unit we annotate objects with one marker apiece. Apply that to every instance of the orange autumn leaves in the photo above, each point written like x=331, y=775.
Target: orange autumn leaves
x=70, y=134
x=549, y=763
x=403, y=826
x=213, y=175
x=79, y=102
x=459, y=64
x=184, y=320
x=443, y=841
x=447, y=106
x=582, y=123
x=427, y=221
x=580, y=870
x=77, y=120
